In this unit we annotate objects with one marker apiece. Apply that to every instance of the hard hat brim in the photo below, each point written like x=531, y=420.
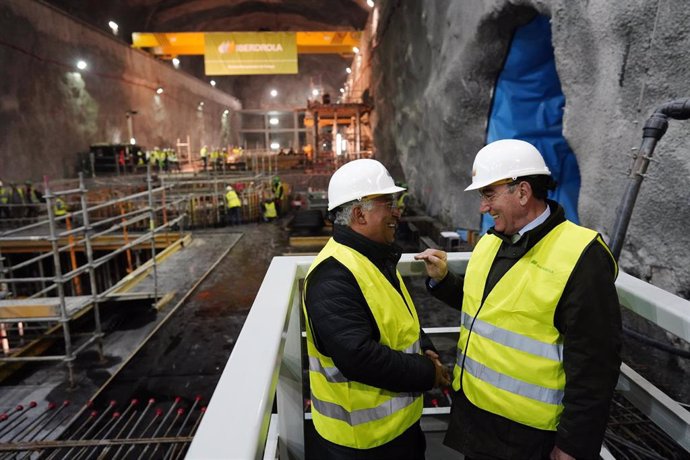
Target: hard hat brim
x=486, y=183
x=386, y=191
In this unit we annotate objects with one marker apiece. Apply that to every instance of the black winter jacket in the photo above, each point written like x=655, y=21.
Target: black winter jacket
x=344, y=327
x=588, y=317
x=345, y=330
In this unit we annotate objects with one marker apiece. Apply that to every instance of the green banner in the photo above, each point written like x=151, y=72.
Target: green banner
x=250, y=53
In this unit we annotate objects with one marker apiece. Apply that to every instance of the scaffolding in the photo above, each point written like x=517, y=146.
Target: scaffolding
x=60, y=297
x=353, y=116
x=206, y=196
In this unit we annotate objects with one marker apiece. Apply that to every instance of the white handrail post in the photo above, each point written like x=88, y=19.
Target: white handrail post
x=289, y=391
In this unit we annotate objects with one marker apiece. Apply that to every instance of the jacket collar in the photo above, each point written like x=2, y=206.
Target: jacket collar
x=531, y=237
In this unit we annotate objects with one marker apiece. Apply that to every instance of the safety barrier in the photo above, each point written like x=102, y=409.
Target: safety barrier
x=266, y=364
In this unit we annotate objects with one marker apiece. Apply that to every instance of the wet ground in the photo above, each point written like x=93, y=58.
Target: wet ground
x=190, y=351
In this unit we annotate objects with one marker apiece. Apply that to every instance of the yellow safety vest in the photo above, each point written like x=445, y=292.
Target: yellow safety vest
x=270, y=209
x=33, y=198
x=347, y=412
x=278, y=190
x=59, y=208
x=513, y=362
x=232, y=199
x=3, y=195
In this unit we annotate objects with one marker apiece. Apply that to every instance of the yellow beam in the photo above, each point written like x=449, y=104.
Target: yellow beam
x=308, y=241
x=170, y=44
x=327, y=42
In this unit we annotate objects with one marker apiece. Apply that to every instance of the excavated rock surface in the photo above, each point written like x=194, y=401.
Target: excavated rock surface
x=434, y=68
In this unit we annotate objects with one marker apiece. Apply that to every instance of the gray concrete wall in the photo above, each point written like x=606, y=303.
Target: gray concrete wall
x=434, y=67
x=49, y=111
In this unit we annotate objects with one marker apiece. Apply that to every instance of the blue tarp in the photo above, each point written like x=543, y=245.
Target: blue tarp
x=528, y=105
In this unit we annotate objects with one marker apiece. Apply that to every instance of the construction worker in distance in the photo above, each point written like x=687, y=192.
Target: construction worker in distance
x=309, y=152
x=204, y=156
x=16, y=200
x=33, y=199
x=403, y=198
x=140, y=159
x=403, y=232
x=174, y=162
x=233, y=205
x=278, y=193
x=4, y=199
x=539, y=349
x=214, y=158
x=268, y=208
x=369, y=361
x=59, y=208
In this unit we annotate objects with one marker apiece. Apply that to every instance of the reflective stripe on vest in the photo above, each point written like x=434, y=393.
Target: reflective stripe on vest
x=508, y=338
x=509, y=348
x=332, y=373
x=505, y=382
x=357, y=417
x=347, y=412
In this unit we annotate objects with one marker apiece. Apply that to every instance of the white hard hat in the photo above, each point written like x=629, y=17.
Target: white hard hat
x=357, y=179
x=506, y=159
x=228, y=188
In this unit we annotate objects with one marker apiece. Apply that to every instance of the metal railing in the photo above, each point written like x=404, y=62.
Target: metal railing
x=266, y=363
x=66, y=233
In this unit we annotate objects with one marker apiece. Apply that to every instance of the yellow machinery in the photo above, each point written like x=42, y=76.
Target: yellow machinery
x=170, y=44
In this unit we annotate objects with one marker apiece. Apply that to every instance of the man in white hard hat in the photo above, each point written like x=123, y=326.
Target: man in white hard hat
x=233, y=206
x=4, y=199
x=539, y=349
x=368, y=360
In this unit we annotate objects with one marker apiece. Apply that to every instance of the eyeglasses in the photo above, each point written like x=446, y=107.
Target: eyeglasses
x=391, y=204
x=489, y=196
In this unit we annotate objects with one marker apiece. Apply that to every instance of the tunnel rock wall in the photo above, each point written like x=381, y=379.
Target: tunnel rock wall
x=434, y=67
x=49, y=111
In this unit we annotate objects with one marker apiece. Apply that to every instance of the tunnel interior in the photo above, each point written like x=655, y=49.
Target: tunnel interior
x=443, y=79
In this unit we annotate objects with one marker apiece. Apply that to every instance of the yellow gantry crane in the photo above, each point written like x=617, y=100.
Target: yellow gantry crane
x=168, y=45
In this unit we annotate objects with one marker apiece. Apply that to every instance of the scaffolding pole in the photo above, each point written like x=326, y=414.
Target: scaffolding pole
x=152, y=228
x=98, y=332
x=64, y=320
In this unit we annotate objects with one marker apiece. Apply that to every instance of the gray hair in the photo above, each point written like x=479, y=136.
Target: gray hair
x=344, y=215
